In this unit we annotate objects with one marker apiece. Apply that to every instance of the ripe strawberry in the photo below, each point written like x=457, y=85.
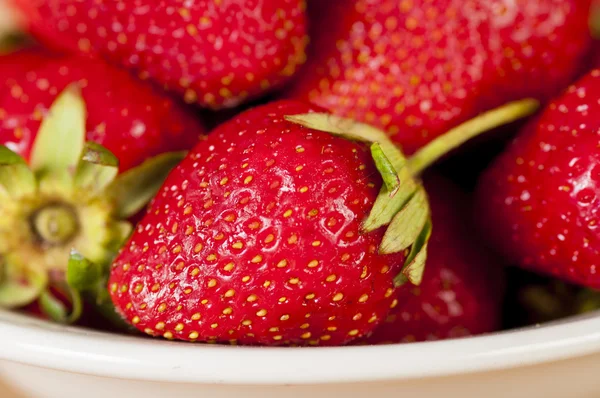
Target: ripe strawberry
x=128, y=117
x=67, y=194
x=538, y=202
x=216, y=53
x=462, y=289
x=259, y=236
x=417, y=68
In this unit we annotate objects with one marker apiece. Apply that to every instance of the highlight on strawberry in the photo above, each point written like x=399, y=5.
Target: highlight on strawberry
x=68, y=198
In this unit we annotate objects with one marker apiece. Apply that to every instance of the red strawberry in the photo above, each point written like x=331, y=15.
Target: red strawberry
x=128, y=117
x=538, y=202
x=418, y=68
x=259, y=236
x=59, y=192
x=461, y=292
x=217, y=53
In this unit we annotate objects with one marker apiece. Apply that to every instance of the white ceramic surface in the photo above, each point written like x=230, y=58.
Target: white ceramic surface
x=45, y=360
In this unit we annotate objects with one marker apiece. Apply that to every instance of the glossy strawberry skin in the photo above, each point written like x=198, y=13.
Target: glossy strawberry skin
x=417, y=68
x=255, y=239
x=215, y=53
x=538, y=202
x=129, y=117
x=463, y=284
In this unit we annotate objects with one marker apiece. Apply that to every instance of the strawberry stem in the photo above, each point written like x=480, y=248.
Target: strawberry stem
x=457, y=136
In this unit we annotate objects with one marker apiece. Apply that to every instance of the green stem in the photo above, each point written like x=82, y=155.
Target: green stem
x=445, y=143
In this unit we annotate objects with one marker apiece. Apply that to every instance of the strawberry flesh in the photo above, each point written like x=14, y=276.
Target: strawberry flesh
x=417, y=68
x=538, y=202
x=462, y=289
x=255, y=238
x=130, y=118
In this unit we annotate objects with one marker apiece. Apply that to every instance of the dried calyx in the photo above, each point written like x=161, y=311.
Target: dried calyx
x=69, y=196
x=402, y=205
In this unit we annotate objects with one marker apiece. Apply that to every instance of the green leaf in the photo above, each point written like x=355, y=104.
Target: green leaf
x=386, y=206
x=487, y=121
x=407, y=224
x=385, y=168
x=132, y=190
x=414, y=265
x=82, y=274
x=14, y=293
x=347, y=128
x=57, y=311
x=61, y=136
x=97, y=168
x=15, y=176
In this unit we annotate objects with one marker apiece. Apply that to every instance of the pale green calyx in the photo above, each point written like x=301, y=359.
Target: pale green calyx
x=402, y=203
x=69, y=196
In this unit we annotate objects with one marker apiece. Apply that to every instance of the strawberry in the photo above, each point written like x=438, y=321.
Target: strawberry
x=214, y=53
x=538, y=202
x=462, y=289
x=128, y=117
x=418, y=68
x=272, y=232
x=60, y=192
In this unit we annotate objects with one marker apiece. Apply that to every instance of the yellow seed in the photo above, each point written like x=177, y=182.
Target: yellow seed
x=248, y=180
x=126, y=267
x=287, y=213
x=229, y=266
x=363, y=298
x=138, y=288
x=113, y=287
x=284, y=317
x=267, y=284
x=256, y=259
x=159, y=326
x=211, y=257
x=338, y=297
x=196, y=316
x=325, y=337
x=228, y=311
x=174, y=228
x=313, y=263
x=229, y=293
x=162, y=307
x=282, y=299
x=168, y=335
x=331, y=328
x=384, y=269
x=262, y=312
x=214, y=325
x=155, y=287
x=179, y=327
x=135, y=320
x=187, y=210
x=294, y=281
x=252, y=297
x=246, y=278
x=394, y=304
x=198, y=247
x=389, y=292
x=193, y=335
x=305, y=326
x=204, y=302
x=331, y=278
x=224, y=181
x=282, y=264
x=124, y=288
x=212, y=283
x=310, y=296
x=292, y=240
x=149, y=331
x=357, y=317
x=247, y=322
x=278, y=337
x=189, y=230
x=303, y=189
x=373, y=319
x=195, y=272
x=298, y=168
x=353, y=332
x=237, y=245
x=305, y=335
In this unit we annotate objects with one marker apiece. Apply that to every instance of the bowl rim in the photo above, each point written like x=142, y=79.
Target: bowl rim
x=34, y=342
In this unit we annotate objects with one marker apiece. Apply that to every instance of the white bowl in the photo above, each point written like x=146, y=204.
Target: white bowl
x=46, y=360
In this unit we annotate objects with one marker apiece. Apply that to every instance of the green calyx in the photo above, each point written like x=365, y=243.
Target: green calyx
x=402, y=205
x=68, y=196
x=595, y=20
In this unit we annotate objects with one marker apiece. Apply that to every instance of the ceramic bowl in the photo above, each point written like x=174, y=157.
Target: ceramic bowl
x=41, y=359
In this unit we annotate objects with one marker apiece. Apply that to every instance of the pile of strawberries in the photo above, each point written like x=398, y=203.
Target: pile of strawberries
x=321, y=209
